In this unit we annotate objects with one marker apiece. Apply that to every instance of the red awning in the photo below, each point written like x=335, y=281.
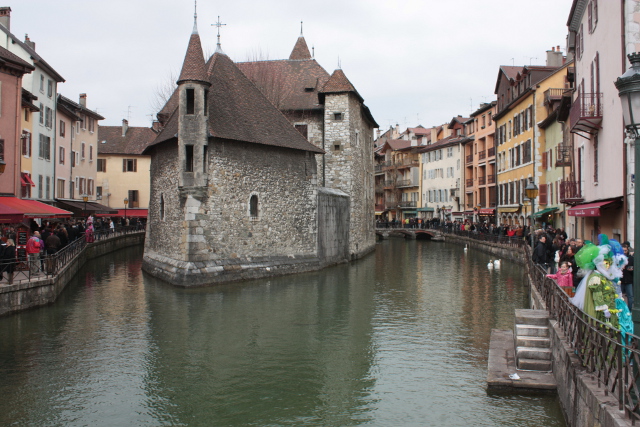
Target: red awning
x=26, y=180
x=486, y=211
x=588, y=209
x=131, y=213
x=13, y=209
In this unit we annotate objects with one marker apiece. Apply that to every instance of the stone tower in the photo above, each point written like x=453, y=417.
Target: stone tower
x=348, y=162
x=193, y=91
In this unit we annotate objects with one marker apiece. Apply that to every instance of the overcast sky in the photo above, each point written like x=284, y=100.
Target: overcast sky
x=413, y=61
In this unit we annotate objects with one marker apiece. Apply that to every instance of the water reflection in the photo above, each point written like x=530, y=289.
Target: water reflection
x=399, y=338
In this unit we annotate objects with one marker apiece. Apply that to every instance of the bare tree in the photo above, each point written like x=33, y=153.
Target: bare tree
x=269, y=76
x=163, y=91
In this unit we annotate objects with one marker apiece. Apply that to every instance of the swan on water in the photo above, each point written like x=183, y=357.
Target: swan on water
x=496, y=263
x=490, y=265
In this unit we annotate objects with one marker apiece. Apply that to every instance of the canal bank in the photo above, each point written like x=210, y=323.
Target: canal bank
x=583, y=398
x=39, y=291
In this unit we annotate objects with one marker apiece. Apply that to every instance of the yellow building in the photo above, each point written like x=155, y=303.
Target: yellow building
x=520, y=92
x=123, y=172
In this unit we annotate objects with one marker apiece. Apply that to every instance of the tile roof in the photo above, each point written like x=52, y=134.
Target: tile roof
x=77, y=108
x=300, y=50
x=37, y=59
x=398, y=144
x=111, y=141
x=15, y=60
x=338, y=82
x=444, y=142
x=420, y=131
x=239, y=111
x=289, y=85
x=27, y=100
x=193, y=67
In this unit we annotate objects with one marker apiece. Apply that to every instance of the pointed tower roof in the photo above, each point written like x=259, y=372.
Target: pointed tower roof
x=338, y=82
x=300, y=50
x=193, y=67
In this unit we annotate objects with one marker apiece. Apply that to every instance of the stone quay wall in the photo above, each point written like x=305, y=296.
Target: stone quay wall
x=23, y=295
x=583, y=403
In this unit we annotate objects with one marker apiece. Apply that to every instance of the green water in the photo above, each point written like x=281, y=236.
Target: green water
x=399, y=338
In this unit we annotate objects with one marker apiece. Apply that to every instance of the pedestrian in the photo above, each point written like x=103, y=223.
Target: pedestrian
x=34, y=244
x=627, y=276
x=540, y=256
x=8, y=260
x=52, y=244
x=564, y=278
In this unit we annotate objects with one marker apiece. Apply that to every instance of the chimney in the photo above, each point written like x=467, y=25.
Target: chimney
x=397, y=132
x=554, y=57
x=125, y=127
x=156, y=126
x=5, y=17
x=83, y=100
x=28, y=42
x=434, y=134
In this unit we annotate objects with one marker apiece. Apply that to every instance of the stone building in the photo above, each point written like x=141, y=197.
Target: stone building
x=234, y=186
x=331, y=114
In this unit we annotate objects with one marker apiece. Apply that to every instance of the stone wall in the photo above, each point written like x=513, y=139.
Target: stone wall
x=24, y=295
x=214, y=238
x=349, y=166
x=333, y=226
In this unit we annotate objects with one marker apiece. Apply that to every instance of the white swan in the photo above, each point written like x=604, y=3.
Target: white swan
x=490, y=265
x=496, y=263
x=466, y=248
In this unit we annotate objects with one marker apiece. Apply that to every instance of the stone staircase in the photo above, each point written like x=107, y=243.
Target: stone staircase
x=533, y=346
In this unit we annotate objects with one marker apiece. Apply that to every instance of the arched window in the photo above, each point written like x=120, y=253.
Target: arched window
x=253, y=206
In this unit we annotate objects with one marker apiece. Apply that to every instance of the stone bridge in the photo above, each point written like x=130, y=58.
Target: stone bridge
x=409, y=233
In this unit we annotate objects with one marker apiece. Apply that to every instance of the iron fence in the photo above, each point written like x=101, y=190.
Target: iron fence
x=50, y=265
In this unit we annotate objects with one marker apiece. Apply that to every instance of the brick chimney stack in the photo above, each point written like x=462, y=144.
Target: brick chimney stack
x=83, y=99
x=5, y=17
x=28, y=42
x=125, y=127
x=554, y=57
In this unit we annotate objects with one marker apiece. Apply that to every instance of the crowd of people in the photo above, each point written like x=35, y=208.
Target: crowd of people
x=49, y=237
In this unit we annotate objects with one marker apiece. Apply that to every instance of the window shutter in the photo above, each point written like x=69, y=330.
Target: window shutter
x=135, y=165
x=124, y=165
x=542, y=197
x=544, y=160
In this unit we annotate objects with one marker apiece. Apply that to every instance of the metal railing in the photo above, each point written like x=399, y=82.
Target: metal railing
x=601, y=349
x=491, y=152
x=50, y=265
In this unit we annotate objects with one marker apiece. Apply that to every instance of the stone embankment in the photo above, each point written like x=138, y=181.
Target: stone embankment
x=25, y=294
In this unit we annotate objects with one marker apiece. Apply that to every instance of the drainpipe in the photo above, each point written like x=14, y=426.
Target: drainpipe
x=324, y=148
x=625, y=201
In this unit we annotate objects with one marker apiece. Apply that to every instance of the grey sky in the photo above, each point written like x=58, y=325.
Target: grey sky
x=413, y=61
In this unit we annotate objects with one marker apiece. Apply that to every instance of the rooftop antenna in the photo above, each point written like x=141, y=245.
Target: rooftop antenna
x=533, y=57
x=301, y=29
x=339, y=64
x=313, y=51
x=218, y=24
x=129, y=107
x=513, y=61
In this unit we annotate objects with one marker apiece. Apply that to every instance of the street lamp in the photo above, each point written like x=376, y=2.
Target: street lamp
x=531, y=191
x=86, y=199
x=126, y=202
x=628, y=86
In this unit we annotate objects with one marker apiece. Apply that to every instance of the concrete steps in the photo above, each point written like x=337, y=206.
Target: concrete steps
x=532, y=343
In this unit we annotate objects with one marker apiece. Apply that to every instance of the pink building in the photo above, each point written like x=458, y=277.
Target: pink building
x=12, y=69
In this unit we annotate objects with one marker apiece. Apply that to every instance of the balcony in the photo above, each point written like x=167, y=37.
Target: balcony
x=378, y=169
x=379, y=188
x=380, y=207
x=470, y=158
x=570, y=192
x=408, y=204
x=563, y=155
x=469, y=182
x=552, y=95
x=586, y=113
x=386, y=165
x=491, y=152
x=408, y=163
x=482, y=181
x=491, y=179
x=406, y=183
x=389, y=184
x=482, y=155
x=390, y=204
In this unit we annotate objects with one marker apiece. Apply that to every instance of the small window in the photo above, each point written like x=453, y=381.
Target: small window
x=129, y=165
x=253, y=206
x=337, y=116
x=205, y=159
x=337, y=147
x=190, y=101
x=102, y=165
x=308, y=89
x=302, y=129
x=206, y=103
x=50, y=88
x=61, y=156
x=188, y=161
x=162, y=207
x=62, y=129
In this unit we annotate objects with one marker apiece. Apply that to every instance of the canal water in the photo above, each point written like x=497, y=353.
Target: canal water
x=400, y=338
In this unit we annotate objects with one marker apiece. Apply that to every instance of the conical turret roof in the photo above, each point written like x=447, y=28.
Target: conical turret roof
x=338, y=82
x=193, y=67
x=300, y=50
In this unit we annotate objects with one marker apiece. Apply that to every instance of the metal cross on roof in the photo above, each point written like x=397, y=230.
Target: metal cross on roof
x=218, y=24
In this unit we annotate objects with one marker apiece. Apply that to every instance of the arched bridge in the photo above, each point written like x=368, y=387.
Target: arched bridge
x=409, y=233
